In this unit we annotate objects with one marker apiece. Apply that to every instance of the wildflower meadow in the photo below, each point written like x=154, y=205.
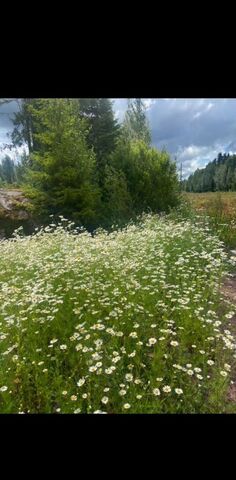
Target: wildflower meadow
x=129, y=321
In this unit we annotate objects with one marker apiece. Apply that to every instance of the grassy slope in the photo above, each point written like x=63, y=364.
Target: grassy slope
x=220, y=207
x=208, y=200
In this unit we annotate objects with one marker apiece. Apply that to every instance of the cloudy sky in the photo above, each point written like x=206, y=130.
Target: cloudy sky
x=193, y=130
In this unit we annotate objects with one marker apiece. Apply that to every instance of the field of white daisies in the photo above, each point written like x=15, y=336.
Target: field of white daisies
x=126, y=322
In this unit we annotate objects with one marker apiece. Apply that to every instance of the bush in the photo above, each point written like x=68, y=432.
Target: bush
x=151, y=176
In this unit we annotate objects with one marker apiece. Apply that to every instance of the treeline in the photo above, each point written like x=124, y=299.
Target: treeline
x=81, y=163
x=219, y=175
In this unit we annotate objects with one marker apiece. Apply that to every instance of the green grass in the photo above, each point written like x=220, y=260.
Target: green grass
x=122, y=323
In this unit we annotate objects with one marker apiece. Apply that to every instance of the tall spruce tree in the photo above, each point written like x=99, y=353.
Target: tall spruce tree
x=61, y=174
x=103, y=132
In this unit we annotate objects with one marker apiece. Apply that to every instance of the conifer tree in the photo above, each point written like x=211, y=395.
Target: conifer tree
x=103, y=131
x=62, y=168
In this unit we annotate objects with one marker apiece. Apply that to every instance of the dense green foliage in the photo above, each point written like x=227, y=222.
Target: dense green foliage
x=81, y=163
x=219, y=175
x=103, y=130
x=150, y=175
x=61, y=175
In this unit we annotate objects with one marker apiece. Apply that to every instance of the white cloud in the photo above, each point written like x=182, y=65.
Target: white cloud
x=148, y=102
x=194, y=156
x=204, y=110
x=209, y=106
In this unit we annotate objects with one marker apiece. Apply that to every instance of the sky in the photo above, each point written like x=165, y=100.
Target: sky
x=192, y=130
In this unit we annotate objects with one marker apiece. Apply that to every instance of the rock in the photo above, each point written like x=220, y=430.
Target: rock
x=14, y=212
x=12, y=203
